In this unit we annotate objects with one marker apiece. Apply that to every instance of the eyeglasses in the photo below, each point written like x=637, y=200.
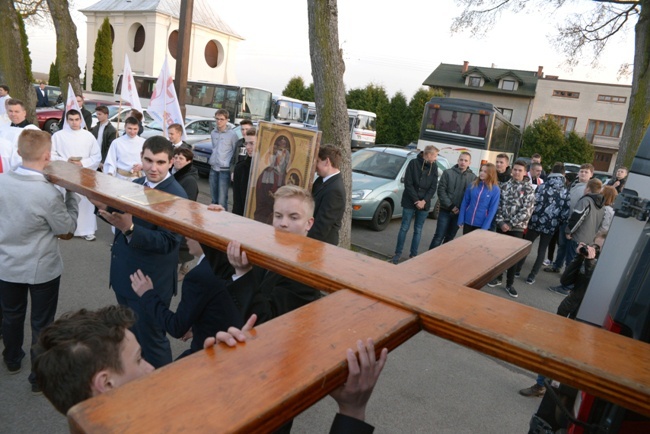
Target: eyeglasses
x=220, y=119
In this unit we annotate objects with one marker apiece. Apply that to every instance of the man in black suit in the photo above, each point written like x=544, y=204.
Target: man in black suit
x=104, y=131
x=205, y=307
x=329, y=196
x=41, y=96
x=140, y=245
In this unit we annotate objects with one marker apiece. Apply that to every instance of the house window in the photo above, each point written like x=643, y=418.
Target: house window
x=612, y=98
x=604, y=128
x=475, y=81
x=508, y=84
x=566, y=94
x=567, y=123
x=506, y=112
x=138, y=40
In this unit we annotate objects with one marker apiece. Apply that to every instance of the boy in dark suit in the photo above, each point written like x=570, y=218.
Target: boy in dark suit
x=140, y=245
x=329, y=196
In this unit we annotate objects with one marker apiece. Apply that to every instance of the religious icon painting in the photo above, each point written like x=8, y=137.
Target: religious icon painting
x=283, y=155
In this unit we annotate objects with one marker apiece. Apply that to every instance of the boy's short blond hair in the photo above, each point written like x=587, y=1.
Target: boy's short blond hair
x=294, y=191
x=32, y=144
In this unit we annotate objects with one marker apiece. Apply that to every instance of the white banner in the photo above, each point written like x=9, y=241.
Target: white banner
x=164, y=103
x=129, y=91
x=71, y=104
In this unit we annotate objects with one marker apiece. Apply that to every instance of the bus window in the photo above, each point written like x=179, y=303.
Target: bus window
x=255, y=104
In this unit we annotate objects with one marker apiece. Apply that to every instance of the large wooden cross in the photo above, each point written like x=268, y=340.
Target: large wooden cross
x=291, y=362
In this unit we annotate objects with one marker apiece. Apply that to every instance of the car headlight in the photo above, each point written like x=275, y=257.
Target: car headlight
x=360, y=194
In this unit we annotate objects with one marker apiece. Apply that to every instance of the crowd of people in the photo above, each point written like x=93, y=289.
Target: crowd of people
x=224, y=295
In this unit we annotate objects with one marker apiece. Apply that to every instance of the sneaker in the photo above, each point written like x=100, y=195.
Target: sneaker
x=90, y=237
x=512, y=292
x=13, y=368
x=495, y=282
x=36, y=390
x=546, y=262
x=517, y=273
x=395, y=259
x=531, y=279
x=559, y=290
x=552, y=270
x=534, y=391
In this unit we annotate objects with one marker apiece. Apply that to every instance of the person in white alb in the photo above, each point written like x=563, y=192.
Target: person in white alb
x=78, y=146
x=124, y=156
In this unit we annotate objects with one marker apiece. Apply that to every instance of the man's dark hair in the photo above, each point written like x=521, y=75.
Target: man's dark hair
x=558, y=167
x=252, y=131
x=158, y=144
x=102, y=109
x=177, y=127
x=535, y=165
x=505, y=156
x=246, y=122
x=72, y=112
x=536, y=156
x=4, y=87
x=76, y=347
x=187, y=153
x=519, y=163
x=136, y=114
x=131, y=121
x=15, y=101
x=331, y=152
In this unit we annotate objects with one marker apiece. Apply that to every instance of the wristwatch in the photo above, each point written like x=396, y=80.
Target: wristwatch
x=129, y=231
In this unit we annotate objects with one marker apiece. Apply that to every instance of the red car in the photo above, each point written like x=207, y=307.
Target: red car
x=49, y=118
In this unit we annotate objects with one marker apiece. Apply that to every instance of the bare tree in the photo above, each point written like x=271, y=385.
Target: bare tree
x=581, y=35
x=327, y=69
x=32, y=11
x=67, y=46
x=14, y=72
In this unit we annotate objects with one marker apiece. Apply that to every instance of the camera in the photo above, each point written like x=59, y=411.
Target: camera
x=584, y=252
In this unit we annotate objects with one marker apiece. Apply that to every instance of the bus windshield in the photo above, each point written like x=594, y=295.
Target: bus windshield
x=457, y=122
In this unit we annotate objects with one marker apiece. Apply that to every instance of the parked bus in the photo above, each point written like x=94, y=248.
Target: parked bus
x=203, y=98
x=363, y=126
x=289, y=110
x=455, y=125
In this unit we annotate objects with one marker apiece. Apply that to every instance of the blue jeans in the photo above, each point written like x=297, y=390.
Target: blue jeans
x=561, y=248
x=219, y=183
x=446, y=228
x=44, y=297
x=407, y=216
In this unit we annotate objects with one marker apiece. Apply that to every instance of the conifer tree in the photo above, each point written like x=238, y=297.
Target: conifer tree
x=103, y=63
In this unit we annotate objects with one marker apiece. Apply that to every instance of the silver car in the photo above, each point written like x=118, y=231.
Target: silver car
x=196, y=129
x=378, y=183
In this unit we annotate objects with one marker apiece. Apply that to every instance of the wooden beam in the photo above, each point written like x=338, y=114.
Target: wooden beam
x=576, y=353
x=286, y=366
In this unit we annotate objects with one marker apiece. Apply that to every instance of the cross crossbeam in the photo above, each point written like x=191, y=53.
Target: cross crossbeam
x=428, y=292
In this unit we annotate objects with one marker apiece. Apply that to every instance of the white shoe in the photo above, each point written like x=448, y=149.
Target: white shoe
x=90, y=237
x=546, y=262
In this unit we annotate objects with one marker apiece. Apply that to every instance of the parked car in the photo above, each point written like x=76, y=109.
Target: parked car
x=113, y=116
x=603, y=176
x=203, y=151
x=378, y=183
x=49, y=118
x=196, y=129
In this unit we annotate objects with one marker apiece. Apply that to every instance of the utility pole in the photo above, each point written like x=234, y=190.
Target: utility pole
x=182, y=59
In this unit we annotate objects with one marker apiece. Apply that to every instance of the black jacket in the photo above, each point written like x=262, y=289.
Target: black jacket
x=420, y=182
x=330, y=202
x=240, y=185
x=110, y=133
x=505, y=176
x=188, y=178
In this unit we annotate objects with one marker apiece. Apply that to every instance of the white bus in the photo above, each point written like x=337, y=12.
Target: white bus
x=203, y=98
x=456, y=125
x=363, y=126
x=289, y=111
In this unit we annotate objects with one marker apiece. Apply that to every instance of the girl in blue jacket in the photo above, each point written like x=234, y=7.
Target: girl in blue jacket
x=481, y=201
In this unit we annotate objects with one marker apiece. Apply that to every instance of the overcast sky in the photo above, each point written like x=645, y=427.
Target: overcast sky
x=396, y=44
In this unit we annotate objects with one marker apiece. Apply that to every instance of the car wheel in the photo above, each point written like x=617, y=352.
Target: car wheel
x=383, y=214
x=51, y=126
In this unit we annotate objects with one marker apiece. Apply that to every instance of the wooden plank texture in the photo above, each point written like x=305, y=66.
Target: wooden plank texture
x=432, y=287
x=286, y=366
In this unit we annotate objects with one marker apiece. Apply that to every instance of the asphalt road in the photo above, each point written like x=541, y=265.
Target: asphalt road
x=428, y=386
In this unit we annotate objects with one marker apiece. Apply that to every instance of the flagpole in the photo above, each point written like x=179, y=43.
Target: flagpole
x=119, y=113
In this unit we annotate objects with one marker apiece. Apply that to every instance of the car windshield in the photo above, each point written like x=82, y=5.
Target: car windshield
x=379, y=164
